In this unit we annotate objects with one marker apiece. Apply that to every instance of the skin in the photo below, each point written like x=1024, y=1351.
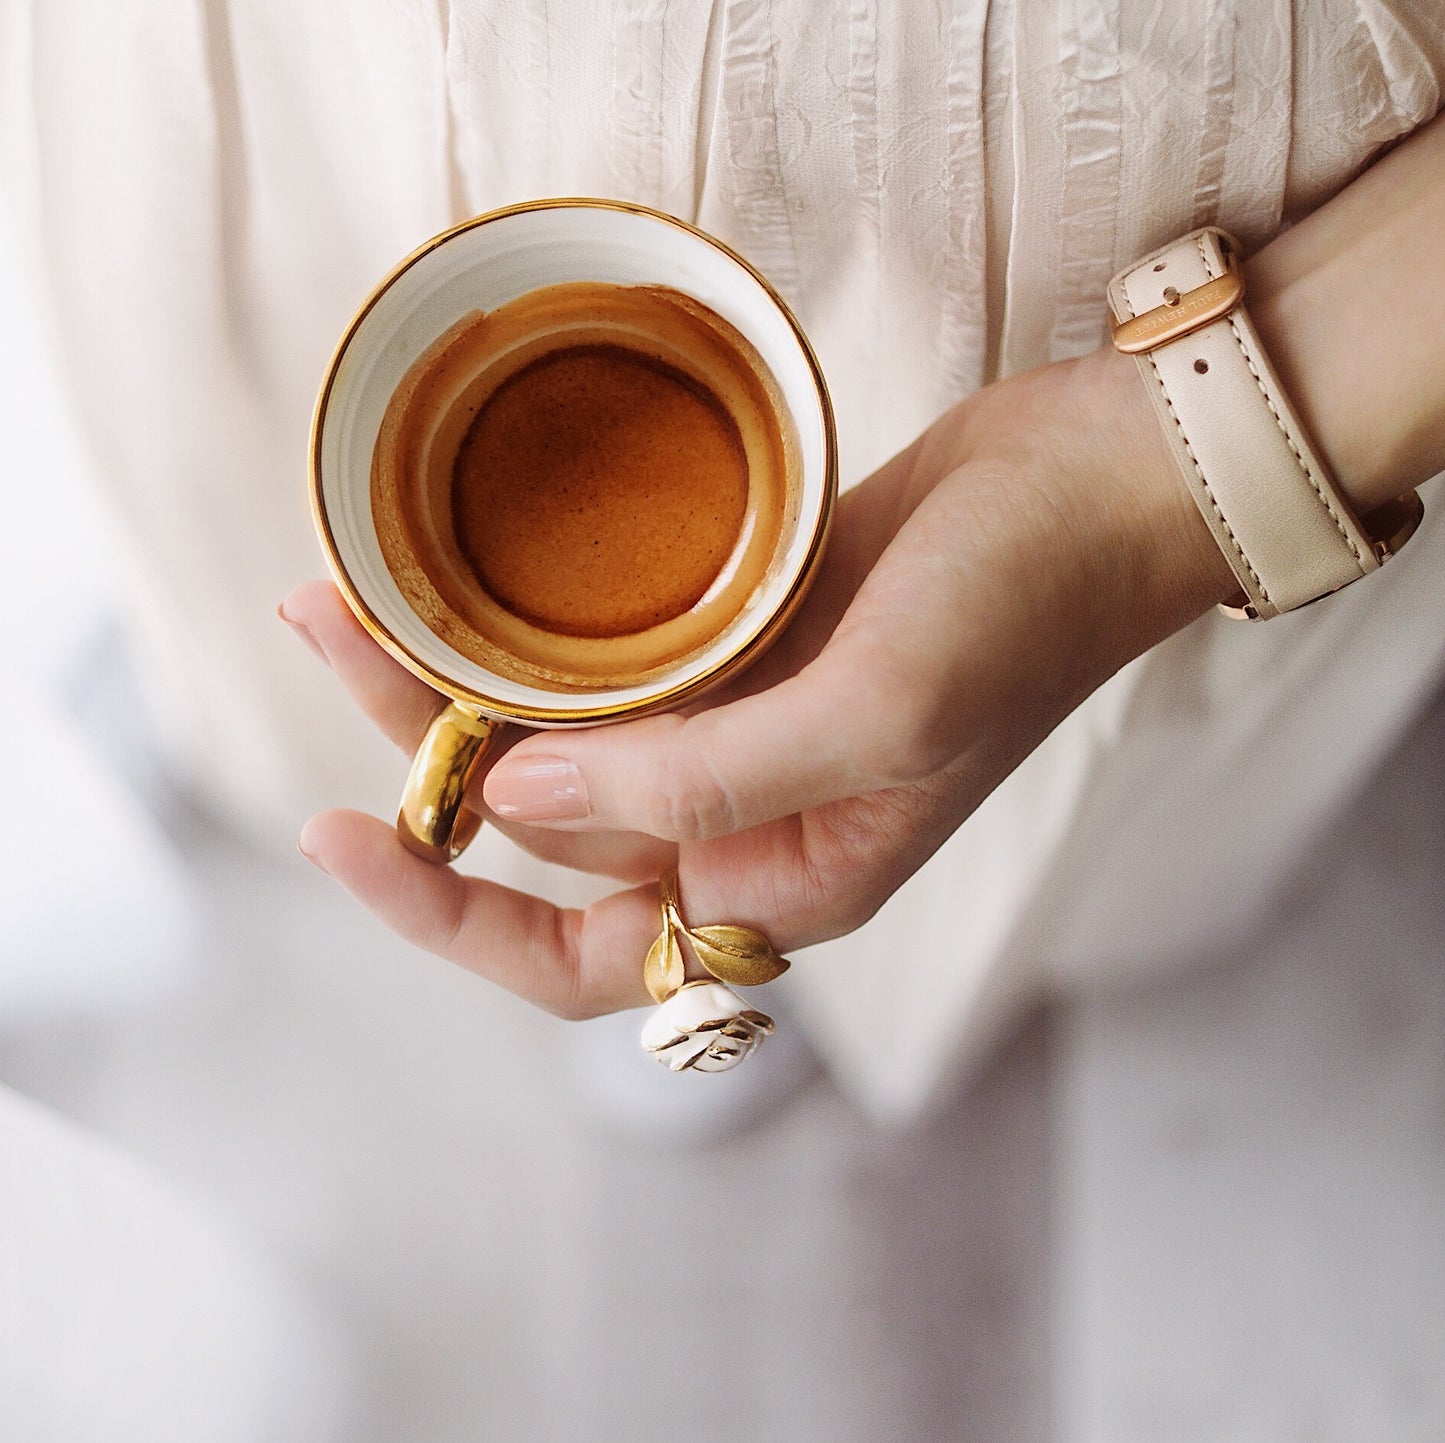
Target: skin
x=978, y=587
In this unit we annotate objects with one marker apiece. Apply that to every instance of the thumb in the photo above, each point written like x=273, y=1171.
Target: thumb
x=797, y=745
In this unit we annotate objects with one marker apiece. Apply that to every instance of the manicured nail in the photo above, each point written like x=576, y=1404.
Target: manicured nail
x=537, y=789
x=304, y=632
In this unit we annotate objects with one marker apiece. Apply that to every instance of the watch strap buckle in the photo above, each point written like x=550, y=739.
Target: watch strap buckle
x=1181, y=313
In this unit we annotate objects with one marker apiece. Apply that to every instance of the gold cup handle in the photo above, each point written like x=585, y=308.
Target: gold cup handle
x=434, y=821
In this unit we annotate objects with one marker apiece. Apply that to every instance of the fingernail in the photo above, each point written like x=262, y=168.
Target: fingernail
x=537, y=789
x=304, y=632
x=310, y=857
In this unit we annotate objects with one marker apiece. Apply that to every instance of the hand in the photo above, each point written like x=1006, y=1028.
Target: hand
x=977, y=588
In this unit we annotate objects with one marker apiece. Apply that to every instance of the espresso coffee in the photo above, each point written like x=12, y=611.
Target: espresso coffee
x=586, y=486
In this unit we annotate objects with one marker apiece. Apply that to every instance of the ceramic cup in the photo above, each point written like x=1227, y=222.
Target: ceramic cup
x=480, y=265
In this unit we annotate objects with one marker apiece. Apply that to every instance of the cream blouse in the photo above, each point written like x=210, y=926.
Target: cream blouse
x=941, y=189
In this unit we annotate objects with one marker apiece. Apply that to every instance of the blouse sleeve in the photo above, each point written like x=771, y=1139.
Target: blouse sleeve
x=1364, y=77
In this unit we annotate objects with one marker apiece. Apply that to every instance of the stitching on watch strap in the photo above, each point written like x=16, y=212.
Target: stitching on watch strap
x=1285, y=526
x=1204, y=482
x=1189, y=450
x=1304, y=465
x=1279, y=420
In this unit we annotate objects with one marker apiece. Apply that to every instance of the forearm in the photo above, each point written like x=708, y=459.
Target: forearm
x=1351, y=307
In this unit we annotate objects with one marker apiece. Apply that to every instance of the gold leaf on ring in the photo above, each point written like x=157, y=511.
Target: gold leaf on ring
x=663, y=972
x=737, y=955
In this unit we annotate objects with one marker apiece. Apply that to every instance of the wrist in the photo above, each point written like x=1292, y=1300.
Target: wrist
x=1350, y=311
x=1157, y=565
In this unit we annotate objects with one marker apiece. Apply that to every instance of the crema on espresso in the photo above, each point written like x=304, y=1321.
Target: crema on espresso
x=584, y=487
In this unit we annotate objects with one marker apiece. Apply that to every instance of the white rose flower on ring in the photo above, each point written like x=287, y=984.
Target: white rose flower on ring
x=704, y=1027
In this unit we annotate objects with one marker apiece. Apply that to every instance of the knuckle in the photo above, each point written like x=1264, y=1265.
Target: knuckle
x=852, y=897
x=861, y=906
x=853, y=858
x=844, y=906
x=912, y=725
x=921, y=741
x=690, y=801
x=852, y=903
x=572, y=1009
x=568, y=995
x=438, y=928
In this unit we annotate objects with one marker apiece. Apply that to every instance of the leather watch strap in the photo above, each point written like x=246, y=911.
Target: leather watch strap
x=1280, y=520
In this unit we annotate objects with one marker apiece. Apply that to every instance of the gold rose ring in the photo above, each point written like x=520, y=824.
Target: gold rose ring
x=703, y=1025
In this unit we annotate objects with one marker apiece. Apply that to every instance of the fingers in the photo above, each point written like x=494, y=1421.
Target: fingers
x=573, y=963
x=401, y=704
x=687, y=778
x=651, y=777
x=814, y=737
x=403, y=707
x=625, y=856
x=672, y=778
x=865, y=716
x=798, y=881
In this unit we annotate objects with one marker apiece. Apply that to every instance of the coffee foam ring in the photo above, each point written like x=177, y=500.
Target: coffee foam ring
x=441, y=403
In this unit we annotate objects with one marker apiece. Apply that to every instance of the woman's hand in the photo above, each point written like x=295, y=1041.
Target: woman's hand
x=976, y=589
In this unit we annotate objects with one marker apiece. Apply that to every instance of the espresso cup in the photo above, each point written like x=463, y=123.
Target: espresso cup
x=495, y=264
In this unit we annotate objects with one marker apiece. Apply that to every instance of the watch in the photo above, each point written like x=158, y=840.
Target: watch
x=1288, y=533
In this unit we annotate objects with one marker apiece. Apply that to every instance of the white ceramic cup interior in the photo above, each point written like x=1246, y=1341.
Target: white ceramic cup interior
x=484, y=265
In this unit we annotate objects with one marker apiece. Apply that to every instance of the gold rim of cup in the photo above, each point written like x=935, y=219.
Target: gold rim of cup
x=433, y=820
x=495, y=707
